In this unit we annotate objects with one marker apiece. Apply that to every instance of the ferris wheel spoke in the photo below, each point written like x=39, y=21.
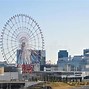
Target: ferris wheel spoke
x=8, y=30
x=9, y=25
x=26, y=33
x=33, y=28
x=9, y=40
x=35, y=48
x=34, y=45
x=33, y=32
x=33, y=36
x=9, y=36
x=31, y=22
x=13, y=59
x=10, y=56
x=18, y=19
x=15, y=21
x=13, y=34
x=12, y=22
x=11, y=29
x=29, y=30
x=22, y=18
x=9, y=47
x=25, y=20
x=9, y=51
x=32, y=40
x=16, y=31
x=19, y=31
x=30, y=25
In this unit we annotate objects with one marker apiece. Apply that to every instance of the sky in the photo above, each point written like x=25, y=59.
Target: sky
x=64, y=23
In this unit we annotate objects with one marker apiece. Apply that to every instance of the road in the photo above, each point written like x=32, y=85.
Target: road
x=83, y=87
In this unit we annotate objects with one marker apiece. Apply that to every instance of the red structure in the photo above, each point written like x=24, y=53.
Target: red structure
x=27, y=68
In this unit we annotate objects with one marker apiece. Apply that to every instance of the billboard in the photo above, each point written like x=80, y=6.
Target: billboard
x=27, y=68
x=31, y=57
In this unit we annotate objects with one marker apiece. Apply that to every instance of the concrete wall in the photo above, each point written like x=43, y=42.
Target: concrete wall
x=7, y=76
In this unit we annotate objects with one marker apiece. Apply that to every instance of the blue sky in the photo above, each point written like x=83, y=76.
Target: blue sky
x=64, y=23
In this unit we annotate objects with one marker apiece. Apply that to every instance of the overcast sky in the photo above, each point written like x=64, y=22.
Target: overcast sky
x=64, y=23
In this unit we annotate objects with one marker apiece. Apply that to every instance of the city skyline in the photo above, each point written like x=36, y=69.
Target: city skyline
x=64, y=23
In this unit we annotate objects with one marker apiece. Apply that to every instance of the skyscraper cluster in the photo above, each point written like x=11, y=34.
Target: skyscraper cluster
x=76, y=63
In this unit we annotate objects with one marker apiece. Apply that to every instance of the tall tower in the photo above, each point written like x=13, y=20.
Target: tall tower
x=86, y=52
x=62, y=54
x=62, y=60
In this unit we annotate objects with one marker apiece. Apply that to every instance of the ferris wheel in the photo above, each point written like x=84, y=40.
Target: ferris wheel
x=21, y=32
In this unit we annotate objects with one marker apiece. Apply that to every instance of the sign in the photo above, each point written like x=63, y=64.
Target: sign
x=27, y=68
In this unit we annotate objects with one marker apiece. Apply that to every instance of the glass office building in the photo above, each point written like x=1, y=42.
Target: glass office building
x=62, y=54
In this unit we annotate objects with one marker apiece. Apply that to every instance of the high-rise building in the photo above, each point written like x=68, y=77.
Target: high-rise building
x=62, y=54
x=62, y=59
x=86, y=52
